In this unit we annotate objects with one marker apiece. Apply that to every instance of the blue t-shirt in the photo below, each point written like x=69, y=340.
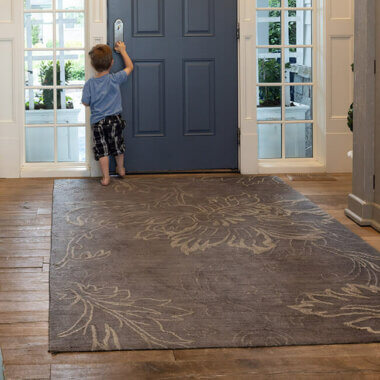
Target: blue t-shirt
x=103, y=95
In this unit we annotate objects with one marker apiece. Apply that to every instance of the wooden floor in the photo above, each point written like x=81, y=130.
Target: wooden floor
x=25, y=223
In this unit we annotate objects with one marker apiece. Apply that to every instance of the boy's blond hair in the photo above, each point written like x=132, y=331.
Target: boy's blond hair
x=101, y=57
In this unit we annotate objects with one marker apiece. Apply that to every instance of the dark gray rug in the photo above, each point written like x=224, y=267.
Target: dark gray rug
x=194, y=262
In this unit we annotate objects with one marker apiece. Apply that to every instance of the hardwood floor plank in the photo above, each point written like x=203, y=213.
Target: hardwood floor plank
x=27, y=277
x=19, y=285
x=24, y=317
x=41, y=220
x=21, y=270
x=27, y=372
x=24, y=342
x=21, y=262
x=23, y=329
x=24, y=233
x=24, y=246
x=42, y=356
x=27, y=252
x=352, y=350
x=11, y=306
x=219, y=369
x=24, y=296
x=326, y=202
x=24, y=240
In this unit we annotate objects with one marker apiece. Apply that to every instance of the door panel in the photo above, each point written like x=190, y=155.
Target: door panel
x=181, y=101
x=148, y=99
x=199, y=97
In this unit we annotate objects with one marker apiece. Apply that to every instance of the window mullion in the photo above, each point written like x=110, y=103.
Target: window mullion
x=55, y=81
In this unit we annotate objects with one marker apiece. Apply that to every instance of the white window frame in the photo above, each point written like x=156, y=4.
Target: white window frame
x=249, y=160
x=55, y=169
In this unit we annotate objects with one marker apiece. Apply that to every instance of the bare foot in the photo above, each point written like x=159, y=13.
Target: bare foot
x=105, y=181
x=120, y=172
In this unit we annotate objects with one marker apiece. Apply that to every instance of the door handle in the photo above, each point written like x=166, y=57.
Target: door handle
x=118, y=30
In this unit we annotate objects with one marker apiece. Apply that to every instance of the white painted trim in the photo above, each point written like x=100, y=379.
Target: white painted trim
x=54, y=170
x=362, y=212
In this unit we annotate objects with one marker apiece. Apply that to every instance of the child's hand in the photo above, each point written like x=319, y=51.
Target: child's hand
x=120, y=46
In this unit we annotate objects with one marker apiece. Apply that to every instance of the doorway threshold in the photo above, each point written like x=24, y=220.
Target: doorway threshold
x=176, y=172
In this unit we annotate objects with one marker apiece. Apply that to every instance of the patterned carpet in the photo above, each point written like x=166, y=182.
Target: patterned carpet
x=194, y=262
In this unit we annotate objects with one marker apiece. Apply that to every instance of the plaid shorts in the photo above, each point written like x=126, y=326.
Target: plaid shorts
x=108, y=137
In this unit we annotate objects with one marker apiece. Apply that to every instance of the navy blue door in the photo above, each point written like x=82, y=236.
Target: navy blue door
x=181, y=103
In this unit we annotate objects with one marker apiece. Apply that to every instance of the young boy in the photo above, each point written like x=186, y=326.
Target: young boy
x=102, y=94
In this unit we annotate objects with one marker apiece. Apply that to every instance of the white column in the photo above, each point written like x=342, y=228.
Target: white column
x=247, y=88
x=97, y=34
x=362, y=205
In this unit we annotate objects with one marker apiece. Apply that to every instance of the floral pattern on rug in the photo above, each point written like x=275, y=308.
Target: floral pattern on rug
x=144, y=317
x=351, y=306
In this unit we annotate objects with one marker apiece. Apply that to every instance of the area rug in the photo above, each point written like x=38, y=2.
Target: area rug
x=195, y=262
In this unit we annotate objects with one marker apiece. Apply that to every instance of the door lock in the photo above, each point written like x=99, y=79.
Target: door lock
x=118, y=31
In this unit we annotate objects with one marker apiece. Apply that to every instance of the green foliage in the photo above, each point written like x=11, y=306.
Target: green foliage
x=77, y=71
x=35, y=34
x=274, y=3
x=269, y=72
x=46, y=99
x=275, y=31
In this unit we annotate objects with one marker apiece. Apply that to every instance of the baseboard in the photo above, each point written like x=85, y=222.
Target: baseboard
x=363, y=213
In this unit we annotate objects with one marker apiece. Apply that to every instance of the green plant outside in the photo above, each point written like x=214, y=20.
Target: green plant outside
x=35, y=34
x=73, y=70
x=270, y=69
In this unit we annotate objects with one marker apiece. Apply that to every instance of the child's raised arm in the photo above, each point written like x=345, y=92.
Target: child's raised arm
x=121, y=48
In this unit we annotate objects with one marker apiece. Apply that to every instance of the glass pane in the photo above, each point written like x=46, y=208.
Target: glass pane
x=298, y=65
x=38, y=4
x=269, y=28
x=298, y=3
x=38, y=68
x=299, y=102
x=70, y=4
x=268, y=3
x=38, y=30
x=70, y=108
x=270, y=140
x=39, y=107
x=70, y=30
x=299, y=28
x=269, y=103
x=71, y=143
x=269, y=65
x=39, y=144
x=299, y=140
x=71, y=67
